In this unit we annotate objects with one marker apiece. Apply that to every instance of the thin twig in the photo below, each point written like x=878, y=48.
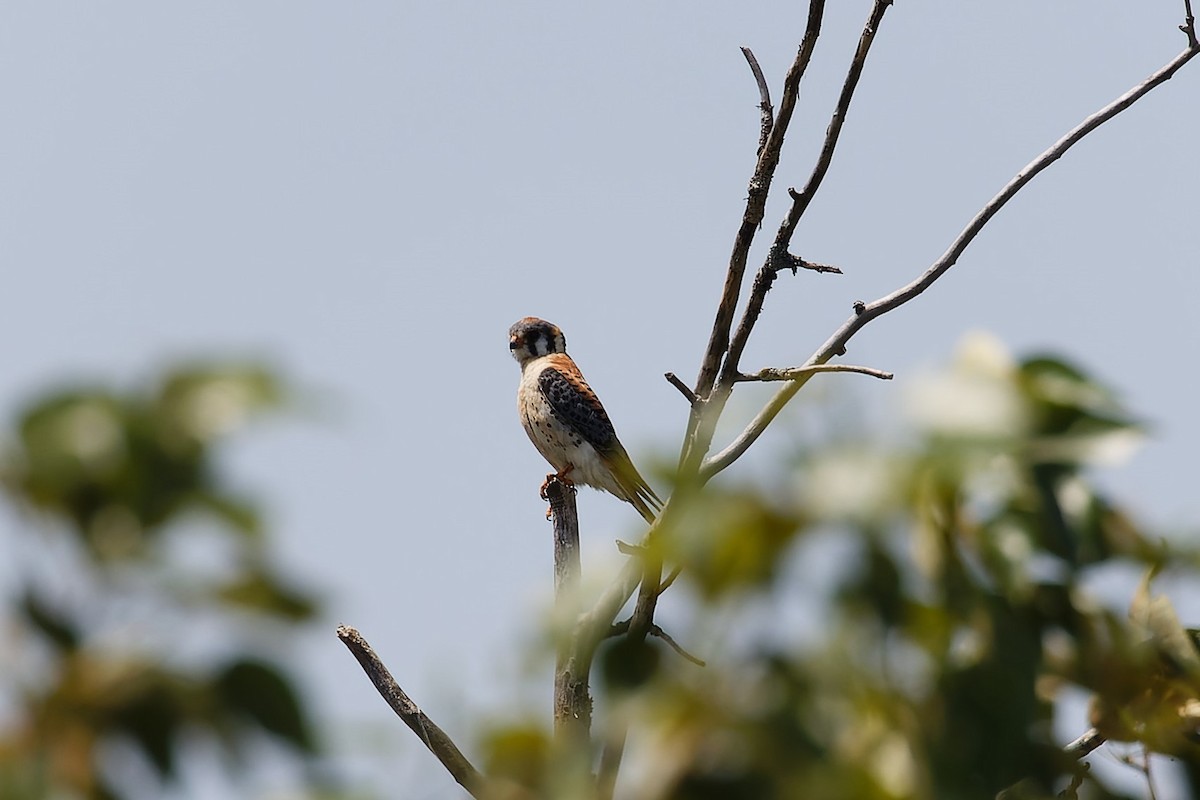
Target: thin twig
x=626, y=625
x=1189, y=25
x=1084, y=744
x=666, y=637
x=430, y=734
x=627, y=549
x=1146, y=772
x=801, y=199
x=795, y=373
x=670, y=579
x=642, y=621
x=756, y=204
x=765, y=108
x=1072, y=790
x=789, y=261
x=683, y=388
x=836, y=344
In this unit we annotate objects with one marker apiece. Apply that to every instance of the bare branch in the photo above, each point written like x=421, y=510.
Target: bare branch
x=779, y=258
x=626, y=625
x=627, y=549
x=795, y=373
x=756, y=204
x=789, y=261
x=801, y=199
x=430, y=734
x=565, y=518
x=594, y=625
x=642, y=621
x=675, y=381
x=1085, y=744
x=572, y=701
x=666, y=637
x=670, y=579
x=764, y=95
x=610, y=764
x=836, y=344
x=1076, y=782
x=1189, y=25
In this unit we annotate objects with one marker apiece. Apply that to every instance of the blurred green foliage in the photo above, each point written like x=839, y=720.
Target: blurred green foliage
x=931, y=662
x=114, y=636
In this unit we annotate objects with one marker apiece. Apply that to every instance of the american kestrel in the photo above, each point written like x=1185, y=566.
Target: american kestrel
x=565, y=421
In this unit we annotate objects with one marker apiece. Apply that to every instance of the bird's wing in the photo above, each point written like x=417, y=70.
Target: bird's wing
x=577, y=405
x=574, y=402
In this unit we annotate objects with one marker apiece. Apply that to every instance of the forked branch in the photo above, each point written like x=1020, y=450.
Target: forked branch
x=779, y=258
x=836, y=344
x=756, y=204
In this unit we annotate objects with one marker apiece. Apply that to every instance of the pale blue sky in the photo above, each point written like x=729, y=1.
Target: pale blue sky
x=369, y=193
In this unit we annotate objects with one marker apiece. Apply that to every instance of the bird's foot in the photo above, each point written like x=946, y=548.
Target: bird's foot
x=561, y=477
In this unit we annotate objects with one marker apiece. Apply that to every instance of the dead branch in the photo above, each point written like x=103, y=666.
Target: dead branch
x=795, y=373
x=610, y=764
x=683, y=388
x=433, y=737
x=836, y=344
x=778, y=257
x=764, y=96
x=625, y=626
x=572, y=701
x=1085, y=744
x=756, y=204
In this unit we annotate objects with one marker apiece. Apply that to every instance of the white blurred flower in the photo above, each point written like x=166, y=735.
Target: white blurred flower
x=976, y=397
x=858, y=485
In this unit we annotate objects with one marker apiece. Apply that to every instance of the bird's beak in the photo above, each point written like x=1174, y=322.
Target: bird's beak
x=514, y=342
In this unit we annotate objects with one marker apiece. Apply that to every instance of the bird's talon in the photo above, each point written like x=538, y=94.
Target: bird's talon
x=561, y=477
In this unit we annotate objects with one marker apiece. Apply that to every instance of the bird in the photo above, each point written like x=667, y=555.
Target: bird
x=566, y=422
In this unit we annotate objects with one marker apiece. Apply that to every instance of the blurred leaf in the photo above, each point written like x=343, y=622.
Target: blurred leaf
x=154, y=718
x=261, y=591
x=520, y=753
x=628, y=664
x=713, y=784
x=263, y=694
x=1059, y=386
x=199, y=403
x=115, y=470
x=55, y=625
x=73, y=450
x=878, y=585
x=1078, y=420
x=1155, y=615
x=987, y=705
x=730, y=540
x=240, y=515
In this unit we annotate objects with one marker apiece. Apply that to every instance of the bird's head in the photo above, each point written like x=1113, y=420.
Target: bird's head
x=532, y=338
